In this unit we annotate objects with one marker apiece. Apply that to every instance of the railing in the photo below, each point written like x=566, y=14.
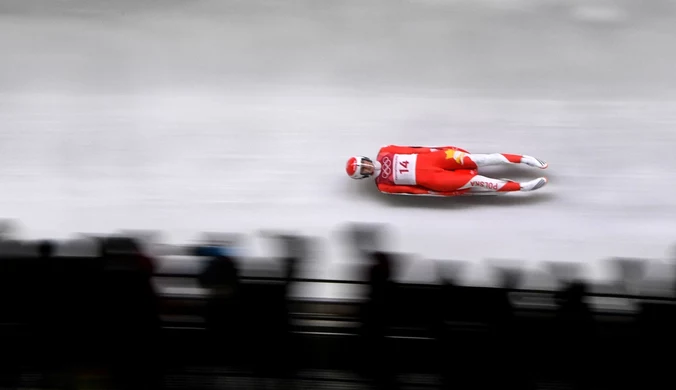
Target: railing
x=467, y=336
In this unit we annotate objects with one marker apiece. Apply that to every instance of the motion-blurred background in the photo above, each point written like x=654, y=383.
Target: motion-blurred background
x=177, y=214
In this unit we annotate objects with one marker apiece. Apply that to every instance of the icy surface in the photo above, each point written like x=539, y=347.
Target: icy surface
x=191, y=116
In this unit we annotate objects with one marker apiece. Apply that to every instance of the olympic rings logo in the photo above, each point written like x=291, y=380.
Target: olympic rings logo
x=386, y=167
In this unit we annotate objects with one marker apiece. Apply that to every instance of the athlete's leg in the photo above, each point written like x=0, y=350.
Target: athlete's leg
x=454, y=159
x=483, y=160
x=444, y=181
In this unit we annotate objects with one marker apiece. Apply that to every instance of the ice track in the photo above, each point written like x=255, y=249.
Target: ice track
x=235, y=116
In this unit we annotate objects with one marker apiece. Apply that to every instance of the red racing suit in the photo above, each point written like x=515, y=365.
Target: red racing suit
x=443, y=170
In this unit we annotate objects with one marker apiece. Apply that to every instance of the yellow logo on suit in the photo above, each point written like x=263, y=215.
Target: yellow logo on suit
x=456, y=155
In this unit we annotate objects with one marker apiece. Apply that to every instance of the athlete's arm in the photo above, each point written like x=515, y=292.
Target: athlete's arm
x=400, y=189
x=451, y=148
x=416, y=149
x=404, y=149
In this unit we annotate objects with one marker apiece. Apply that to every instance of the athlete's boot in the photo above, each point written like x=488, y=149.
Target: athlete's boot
x=533, y=162
x=534, y=184
x=484, y=160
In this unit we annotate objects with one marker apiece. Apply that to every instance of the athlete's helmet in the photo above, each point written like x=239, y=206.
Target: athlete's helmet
x=360, y=167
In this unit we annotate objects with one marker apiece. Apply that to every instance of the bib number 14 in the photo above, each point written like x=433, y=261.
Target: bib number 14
x=403, y=167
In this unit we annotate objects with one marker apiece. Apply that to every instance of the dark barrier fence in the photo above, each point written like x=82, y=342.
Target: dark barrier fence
x=99, y=322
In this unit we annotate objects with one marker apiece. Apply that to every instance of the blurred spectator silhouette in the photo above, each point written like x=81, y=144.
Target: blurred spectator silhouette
x=40, y=319
x=575, y=337
x=269, y=343
x=365, y=239
x=11, y=302
x=376, y=317
x=506, y=350
x=223, y=311
x=656, y=322
x=451, y=362
x=131, y=318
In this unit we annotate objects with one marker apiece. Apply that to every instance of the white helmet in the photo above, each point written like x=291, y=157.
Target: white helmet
x=360, y=167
